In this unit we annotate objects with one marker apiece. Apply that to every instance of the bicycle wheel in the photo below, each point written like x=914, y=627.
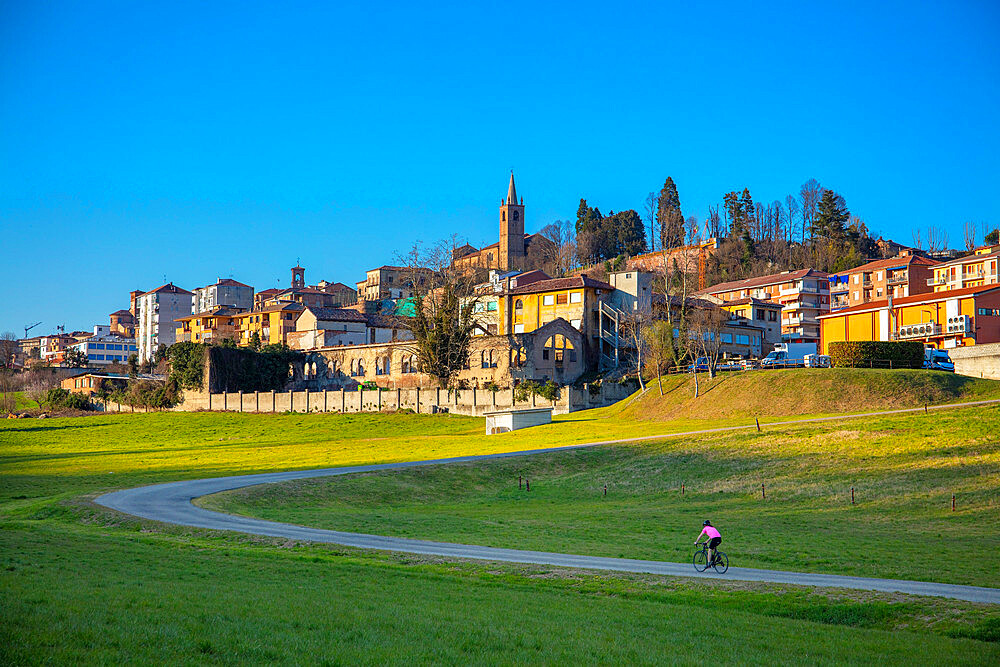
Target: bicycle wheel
x=700, y=560
x=721, y=563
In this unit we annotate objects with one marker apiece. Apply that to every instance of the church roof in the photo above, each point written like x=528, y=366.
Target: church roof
x=511, y=192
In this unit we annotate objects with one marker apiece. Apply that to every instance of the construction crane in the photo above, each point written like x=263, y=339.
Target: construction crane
x=29, y=328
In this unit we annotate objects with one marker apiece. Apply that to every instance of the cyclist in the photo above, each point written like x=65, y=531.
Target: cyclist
x=714, y=538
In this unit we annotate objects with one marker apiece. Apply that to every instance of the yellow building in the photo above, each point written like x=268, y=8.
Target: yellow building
x=272, y=323
x=954, y=318
x=212, y=325
x=976, y=270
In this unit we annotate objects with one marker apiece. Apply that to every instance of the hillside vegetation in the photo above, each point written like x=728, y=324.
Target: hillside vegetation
x=804, y=391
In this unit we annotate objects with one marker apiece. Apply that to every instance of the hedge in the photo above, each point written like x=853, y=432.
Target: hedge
x=877, y=354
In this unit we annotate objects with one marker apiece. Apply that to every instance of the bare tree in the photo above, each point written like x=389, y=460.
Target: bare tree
x=791, y=208
x=937, y=239
x=649, y=209
x=714, y=222
x=809, y=195
x=972, y=235
x=562, y=255
x=658, y=341
x=918, y=241
x=634, y=325
x=445, y=300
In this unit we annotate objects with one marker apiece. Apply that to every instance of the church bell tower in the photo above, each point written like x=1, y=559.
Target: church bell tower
x=511, y=230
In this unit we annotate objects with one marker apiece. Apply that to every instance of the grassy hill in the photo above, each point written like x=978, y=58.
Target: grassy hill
x=79, y=584
x=804, y=391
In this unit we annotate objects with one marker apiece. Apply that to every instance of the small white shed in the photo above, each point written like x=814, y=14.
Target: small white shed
x=502, y=421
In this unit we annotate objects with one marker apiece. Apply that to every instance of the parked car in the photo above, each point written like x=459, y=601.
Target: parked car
x=817, y=361
x=788, y=354
x=937, y=360
x=700, y=365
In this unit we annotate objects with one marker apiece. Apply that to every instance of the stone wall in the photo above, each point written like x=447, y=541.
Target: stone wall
x=981, y=361
x=474, y=402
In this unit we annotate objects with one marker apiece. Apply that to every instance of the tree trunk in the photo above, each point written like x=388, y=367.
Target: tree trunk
x=696, y=381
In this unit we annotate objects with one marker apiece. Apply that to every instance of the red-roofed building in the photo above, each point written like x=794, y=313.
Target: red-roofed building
x=804, y=296
x=158, y=310
x=903, y=275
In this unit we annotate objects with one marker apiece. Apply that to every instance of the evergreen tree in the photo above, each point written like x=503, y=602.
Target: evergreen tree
x=669, y=216
x=831, y=216
x=628, y=232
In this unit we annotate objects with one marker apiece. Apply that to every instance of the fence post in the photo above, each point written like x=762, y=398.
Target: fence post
x=274, y=402
x=418, y=400
x=256, y=401
x=399, y=399
x=241, y=400
x=361, y=398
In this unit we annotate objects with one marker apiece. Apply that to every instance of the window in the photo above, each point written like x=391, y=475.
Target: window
x=572, y=355
x=575, y=297
x=726, y=338
x=857, y=279
x=484, y=360
x=517, y=216
x=491, y=329
x=561, y=298
x=491, y=306
x=760, y=315
x=545, y=355
x=91, y=356
x=518, y=307
x=548, y=300
x=559, y=356
x=742, y=339
x=772, y=316
x=98, y=346
x=519, y=328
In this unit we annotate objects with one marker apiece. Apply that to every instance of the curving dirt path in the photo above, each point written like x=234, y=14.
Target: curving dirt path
x=171, y=503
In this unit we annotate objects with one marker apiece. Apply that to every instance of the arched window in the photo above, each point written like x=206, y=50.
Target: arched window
x=503, y=216
x=517, y=357
x=406, y=365
x=516, y=216
x=518, y=307
x=493, y=363
x=354, y=367
x=483, y=360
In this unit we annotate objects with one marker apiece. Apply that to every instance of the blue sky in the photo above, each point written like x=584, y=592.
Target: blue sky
x=197, y=140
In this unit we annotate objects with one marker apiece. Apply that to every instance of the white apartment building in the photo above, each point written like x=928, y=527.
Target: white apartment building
x=157, y=311
x=106, y=348
x=225, y=292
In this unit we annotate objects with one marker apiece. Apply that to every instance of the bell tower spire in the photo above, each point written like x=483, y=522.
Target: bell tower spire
x=512, y=252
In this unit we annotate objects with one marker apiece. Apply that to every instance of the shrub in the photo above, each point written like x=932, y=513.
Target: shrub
x=56, y=396
x=548, y=391
x=77, y=402
x=877, y=354
x=187, y=364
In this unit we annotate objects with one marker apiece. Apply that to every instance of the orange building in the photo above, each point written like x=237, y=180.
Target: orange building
x=977, y=269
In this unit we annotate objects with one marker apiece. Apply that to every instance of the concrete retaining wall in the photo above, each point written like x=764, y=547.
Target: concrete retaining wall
x=981, y=361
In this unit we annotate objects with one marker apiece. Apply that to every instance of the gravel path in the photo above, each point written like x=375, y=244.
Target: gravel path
x=171, y=503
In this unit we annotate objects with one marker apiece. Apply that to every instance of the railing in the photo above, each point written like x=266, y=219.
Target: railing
x=897, y=280
x=932, y=282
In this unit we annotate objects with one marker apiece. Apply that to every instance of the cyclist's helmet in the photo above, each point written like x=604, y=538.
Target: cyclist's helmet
x=707, y=523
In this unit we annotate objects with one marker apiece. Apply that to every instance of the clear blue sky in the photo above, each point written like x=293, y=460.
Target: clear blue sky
x=198, y=140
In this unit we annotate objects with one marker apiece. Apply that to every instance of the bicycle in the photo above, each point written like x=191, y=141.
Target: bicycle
x=720, y=563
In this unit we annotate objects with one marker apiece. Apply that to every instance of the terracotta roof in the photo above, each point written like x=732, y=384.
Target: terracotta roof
x=341, y=286
x=336, y=314
x=281, y=305
x=555, y=284
x=122, y=312
x=890, y=263
x=750, y=300
x=170, y=288
x=383, y=321
x=772, y=279
x=969, y=258
x=530, y=277
x=231, y=282
x=388, y=267
x=269, y=292
x=929, y=297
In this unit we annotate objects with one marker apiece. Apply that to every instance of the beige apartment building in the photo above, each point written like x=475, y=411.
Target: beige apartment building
x=392, y=282
x=804, y=295
x=905, y=274
x=975, y=270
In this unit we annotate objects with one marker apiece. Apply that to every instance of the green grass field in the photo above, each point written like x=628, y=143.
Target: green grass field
x=904, y=470
x=82, y=584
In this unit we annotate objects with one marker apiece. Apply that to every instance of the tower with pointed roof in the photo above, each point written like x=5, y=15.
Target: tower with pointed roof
x=511, y=230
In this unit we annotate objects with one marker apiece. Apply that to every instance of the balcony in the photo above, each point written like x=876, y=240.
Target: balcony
x=933, y=282
x=899, y=279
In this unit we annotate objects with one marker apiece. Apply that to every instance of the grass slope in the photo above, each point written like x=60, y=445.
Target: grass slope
x=904, y=470
x=805, y=391
x=81, y=584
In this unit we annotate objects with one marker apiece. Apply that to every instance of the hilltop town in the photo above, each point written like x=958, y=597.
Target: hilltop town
x=553, y=307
